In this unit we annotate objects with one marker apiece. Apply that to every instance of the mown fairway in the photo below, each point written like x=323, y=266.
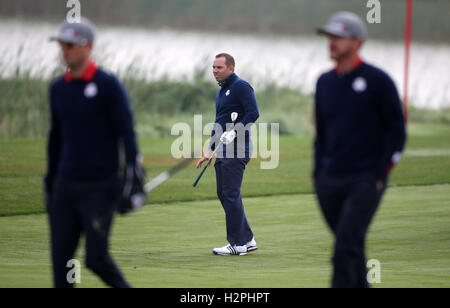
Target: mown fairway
x=169, y=243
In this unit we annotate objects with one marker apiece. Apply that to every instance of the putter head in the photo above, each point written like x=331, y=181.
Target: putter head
x=234, y=116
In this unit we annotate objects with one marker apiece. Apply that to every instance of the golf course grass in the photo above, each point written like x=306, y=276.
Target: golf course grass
x=169, y=242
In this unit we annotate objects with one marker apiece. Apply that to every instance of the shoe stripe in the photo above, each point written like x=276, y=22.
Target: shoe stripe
x=235, y=252
x=231, y=249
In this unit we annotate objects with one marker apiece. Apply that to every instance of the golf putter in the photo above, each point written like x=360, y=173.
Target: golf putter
x=234, y=116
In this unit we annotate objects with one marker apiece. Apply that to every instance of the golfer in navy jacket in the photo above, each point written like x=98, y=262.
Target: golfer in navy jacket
x=360, y=137
x=235, y=95
x=90, y=116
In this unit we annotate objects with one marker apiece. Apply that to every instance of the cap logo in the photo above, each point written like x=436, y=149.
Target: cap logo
x=69, y=32
x=338, y=27
x=227, y=93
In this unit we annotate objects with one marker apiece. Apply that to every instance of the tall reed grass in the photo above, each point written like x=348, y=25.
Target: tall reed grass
x=157, y=105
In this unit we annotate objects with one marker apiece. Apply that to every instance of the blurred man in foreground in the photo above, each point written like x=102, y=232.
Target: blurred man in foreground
x=360, y=135
x=90, y=117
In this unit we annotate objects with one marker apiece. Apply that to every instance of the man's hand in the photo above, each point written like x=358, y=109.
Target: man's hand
x=133, y=195
x=206, y=157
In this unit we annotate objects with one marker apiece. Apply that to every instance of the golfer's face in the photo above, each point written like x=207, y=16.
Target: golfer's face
x=74, y=54
x=220, y=70
x=341, y=47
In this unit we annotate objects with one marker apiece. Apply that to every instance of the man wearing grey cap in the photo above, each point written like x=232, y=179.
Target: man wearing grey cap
x=360, y=135
x=90, y=117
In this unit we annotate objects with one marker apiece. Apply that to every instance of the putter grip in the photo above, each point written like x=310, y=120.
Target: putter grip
x=200, y=175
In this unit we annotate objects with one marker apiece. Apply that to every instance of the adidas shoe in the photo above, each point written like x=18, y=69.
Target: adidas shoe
x=231, y=250
x=251, y=246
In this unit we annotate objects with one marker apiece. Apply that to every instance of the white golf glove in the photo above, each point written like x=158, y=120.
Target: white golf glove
x=228, y=137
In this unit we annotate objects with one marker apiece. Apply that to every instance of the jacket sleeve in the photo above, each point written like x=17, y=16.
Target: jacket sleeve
x=214, y=138
x=249, y=104
x=391, y=113
x=54, y=144
x=120, y=113
x=318, y=141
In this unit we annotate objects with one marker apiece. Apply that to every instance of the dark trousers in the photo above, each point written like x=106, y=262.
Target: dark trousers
x=348, y=204
x=83, y=207
x=229, y=176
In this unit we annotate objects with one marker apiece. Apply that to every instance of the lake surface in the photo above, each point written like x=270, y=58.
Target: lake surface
x=290, y=61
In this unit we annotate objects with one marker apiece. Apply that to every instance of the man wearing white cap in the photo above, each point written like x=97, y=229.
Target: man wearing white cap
x=360, y=135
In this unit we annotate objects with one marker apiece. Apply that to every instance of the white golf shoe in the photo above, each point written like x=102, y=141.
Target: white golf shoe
x=251, y=246
x=231, y=250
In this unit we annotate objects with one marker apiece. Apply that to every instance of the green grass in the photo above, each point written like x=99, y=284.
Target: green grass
x=22, y=164
x=169, y=245
x=169, y=242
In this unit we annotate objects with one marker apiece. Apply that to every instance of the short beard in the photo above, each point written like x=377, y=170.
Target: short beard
x=343, y=55
x=77, y=65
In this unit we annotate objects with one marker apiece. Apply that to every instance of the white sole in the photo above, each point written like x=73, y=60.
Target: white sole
x=229, y=254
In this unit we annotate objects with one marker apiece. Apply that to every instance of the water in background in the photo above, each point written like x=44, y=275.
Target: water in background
x=295, y=62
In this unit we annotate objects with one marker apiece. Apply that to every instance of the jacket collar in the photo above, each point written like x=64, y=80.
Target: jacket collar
x=229, y=81
x=357, y=64
x=87, y=75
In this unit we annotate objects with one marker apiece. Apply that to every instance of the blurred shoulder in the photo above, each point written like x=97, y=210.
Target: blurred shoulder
x=326, y=76
x=57, y=82
x=106, y=75
x=377, y=73
x=109, y=80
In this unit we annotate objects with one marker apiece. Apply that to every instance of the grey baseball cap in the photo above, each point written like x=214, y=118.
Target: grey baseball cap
x=78, y=33
x=345, y=24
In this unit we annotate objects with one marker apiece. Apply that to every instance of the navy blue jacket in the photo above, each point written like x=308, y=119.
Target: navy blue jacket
x=235, y=95
x=90, y=118
x=359, y=121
